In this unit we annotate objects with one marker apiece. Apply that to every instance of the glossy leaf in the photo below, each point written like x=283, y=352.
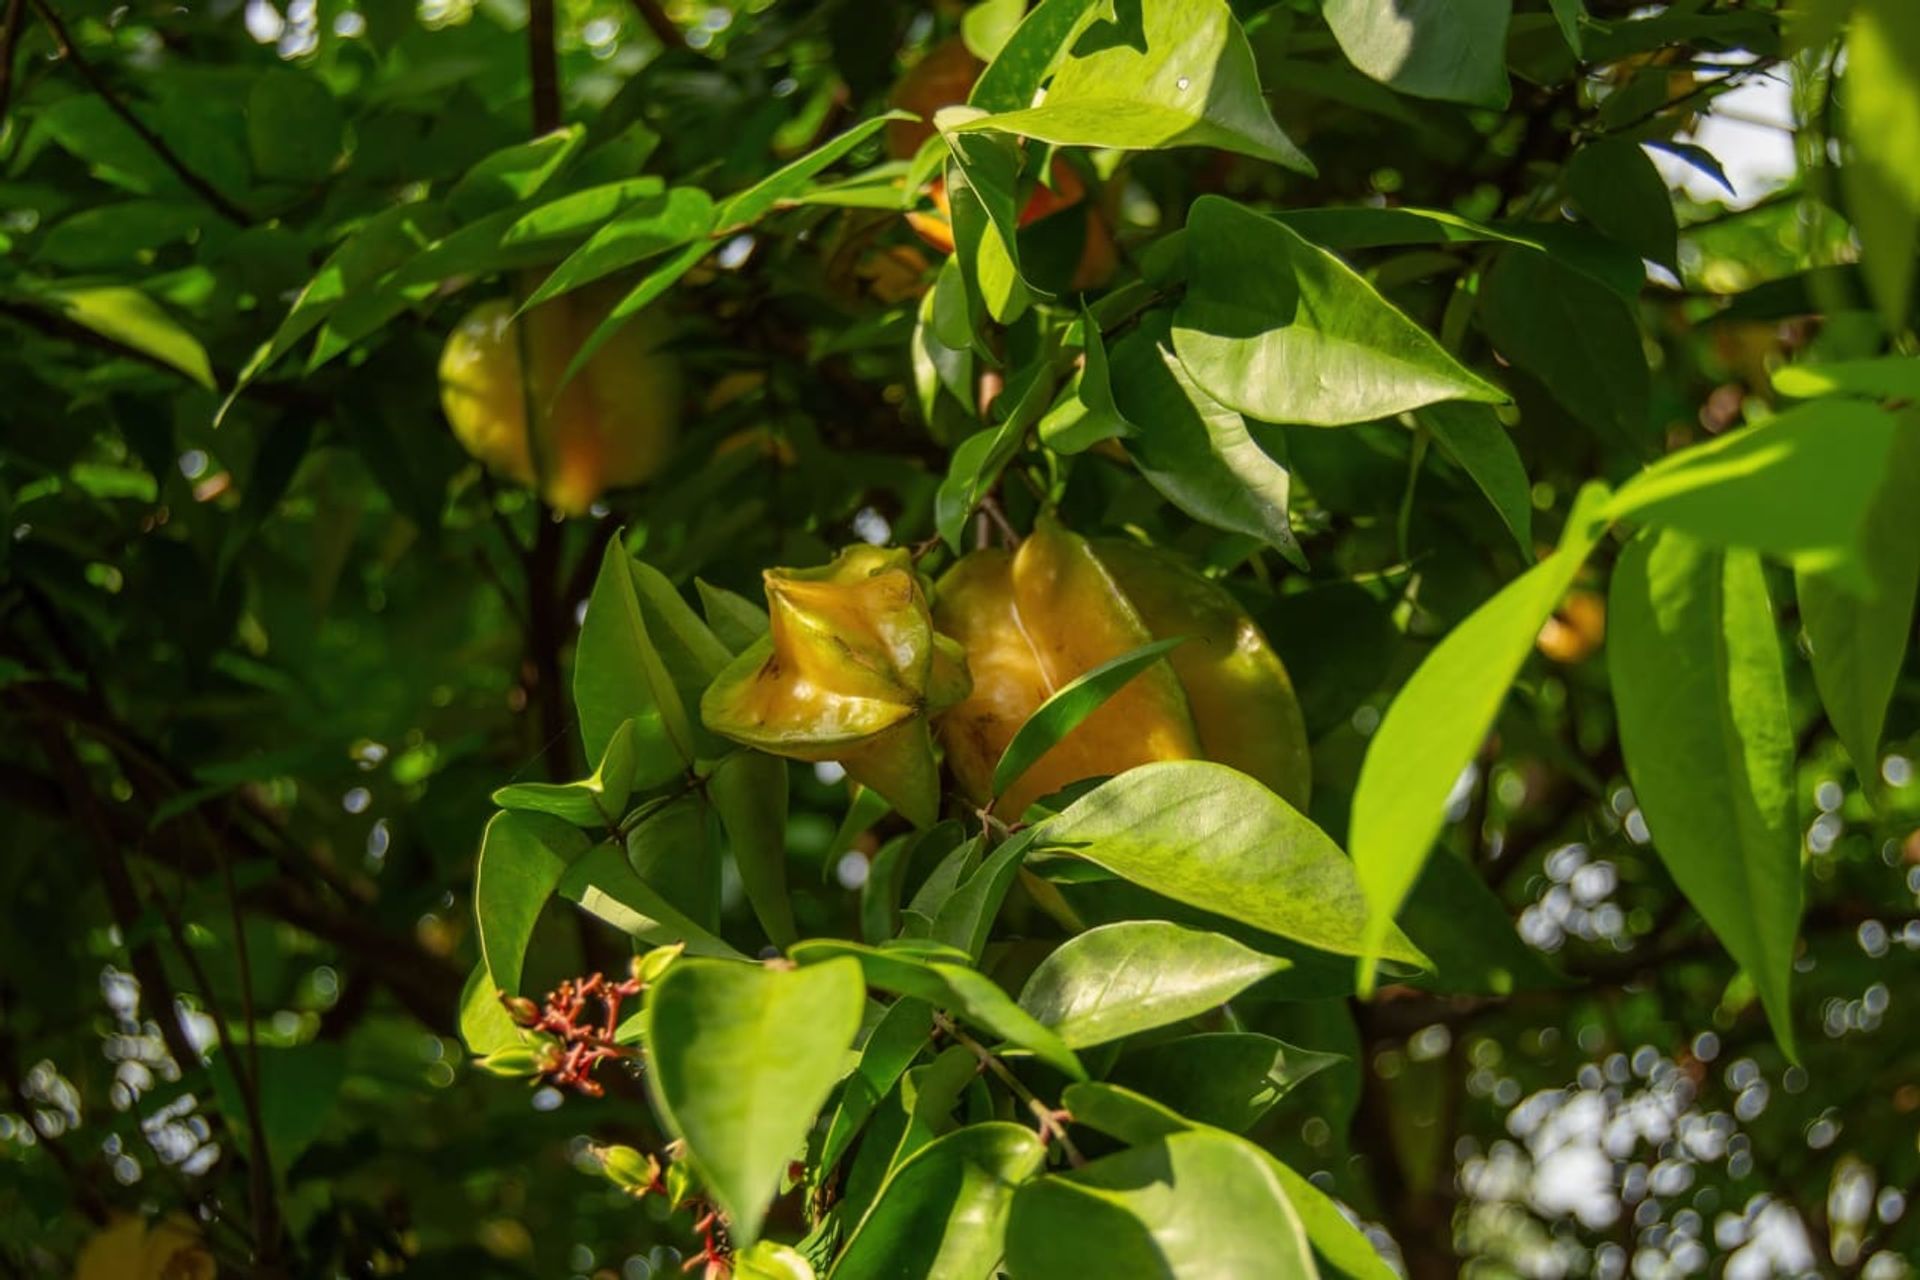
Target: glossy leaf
x=596, y=801
x=1023, y=63
x=1189, y=1206
x=1284, y=331
x=1136, y=975
x=1136, y=1119
x=1881, y=378
x=1070, y=704
x=1796, y=486
x=522, y=859
x=603, y=884
x=734, y=620
x=132, y=319
x=1454, y=50
x=1227, y=1079
x=966, y=917
x=1210, y=837
x=739, y=1060
x=1437, y=722
x=1859, y=637
x=1183, y=76
x=1698, y=681
x=943, y=1212
x=951, y=986
x=619, y=675
x=896, y=1039
x=1197, y=452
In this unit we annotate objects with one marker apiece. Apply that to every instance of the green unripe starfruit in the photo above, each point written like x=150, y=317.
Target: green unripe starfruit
x=849, y=670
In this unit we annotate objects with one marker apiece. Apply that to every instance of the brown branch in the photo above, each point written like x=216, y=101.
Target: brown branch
x=664, y=29
x=15, y=23
x=544, y=65
x=200, y=186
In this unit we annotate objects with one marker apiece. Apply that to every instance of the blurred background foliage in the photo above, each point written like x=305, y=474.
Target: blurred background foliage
x=259, y=679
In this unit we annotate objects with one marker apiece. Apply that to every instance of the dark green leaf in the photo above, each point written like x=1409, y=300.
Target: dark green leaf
x=644, y=228
x=966, y=916
x=294, y=127
x=1026, y=59
x=1881, y=94
x=1227, y=1079
x=618, y=675
x=734, y=620
x=1615, y=185
x=896, y=1039
x=1473, y=437
x=749, y=792
x=602, y=882
x=522, y=859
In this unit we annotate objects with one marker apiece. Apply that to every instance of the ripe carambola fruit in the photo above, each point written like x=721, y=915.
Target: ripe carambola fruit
x=1033, y=620
x=613, y=425
x=849, y=671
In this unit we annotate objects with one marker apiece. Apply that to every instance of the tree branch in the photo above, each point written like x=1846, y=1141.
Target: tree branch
x=200, y=186
x=664, y=28
x=544, y=66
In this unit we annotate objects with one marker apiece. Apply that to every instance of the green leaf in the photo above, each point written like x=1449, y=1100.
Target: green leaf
x=1437, y=722
x=132, y=319
x=644, y=228
x=1015, y=74
x=1136, y=975
x=943, y=1212
x=637, y=299
x=1454, y=50
x=971, y=996
x=1285, y=332
x=1213, y=838
x=513, y=174
x=1367, y=227
x=966, y=916
x=1859, y=638
x=1614, y=183
x=1190, y=1206
x=597, y=801
x=756, y=201
x=739, y=1060
x=485, y=1025
x=983, y=180
x=1086, y=414
x=1227, y=1079
x=1694, y=656
x=1796, y=486
x=522, y=859
x=1570, y=14
x=673, y=849
x=987, y=26
x=619, y=675
x=1576, y=336
x=1180, y=74
x=1880, y=91
x=1468, y=932
x=578, y=212
x=1136, y=1119
x=1473, y=437
x=896, y=1039
x=1070, y=704
x=118, y=235
x=734, y=620
x=294, y=127
x=749, y=792
x=770, y=1261
x=1198, y=454
x=1881, y=378
x=603, y=884
x=296, y=1090
x=982, y=456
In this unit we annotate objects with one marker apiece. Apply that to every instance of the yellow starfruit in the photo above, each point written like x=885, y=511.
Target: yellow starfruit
x=850, y=670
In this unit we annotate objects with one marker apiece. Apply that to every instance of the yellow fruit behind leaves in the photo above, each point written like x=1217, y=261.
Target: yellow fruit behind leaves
x=128, y=1249
x=614, y=425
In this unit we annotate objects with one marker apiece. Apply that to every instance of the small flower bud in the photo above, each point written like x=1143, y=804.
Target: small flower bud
x=516, y=1062
x=522, y=1010
x=630, y=1170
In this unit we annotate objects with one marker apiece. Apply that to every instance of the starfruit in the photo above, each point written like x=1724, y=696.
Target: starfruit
x=1032, y=620
x=850, y=670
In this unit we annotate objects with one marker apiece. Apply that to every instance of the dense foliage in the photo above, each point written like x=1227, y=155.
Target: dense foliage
x=839, y=638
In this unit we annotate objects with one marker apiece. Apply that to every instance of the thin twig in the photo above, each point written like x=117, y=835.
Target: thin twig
x=205, y=190
x=664, y=29
x=1049, y=1117
x=15, y=23
x=544, y=66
